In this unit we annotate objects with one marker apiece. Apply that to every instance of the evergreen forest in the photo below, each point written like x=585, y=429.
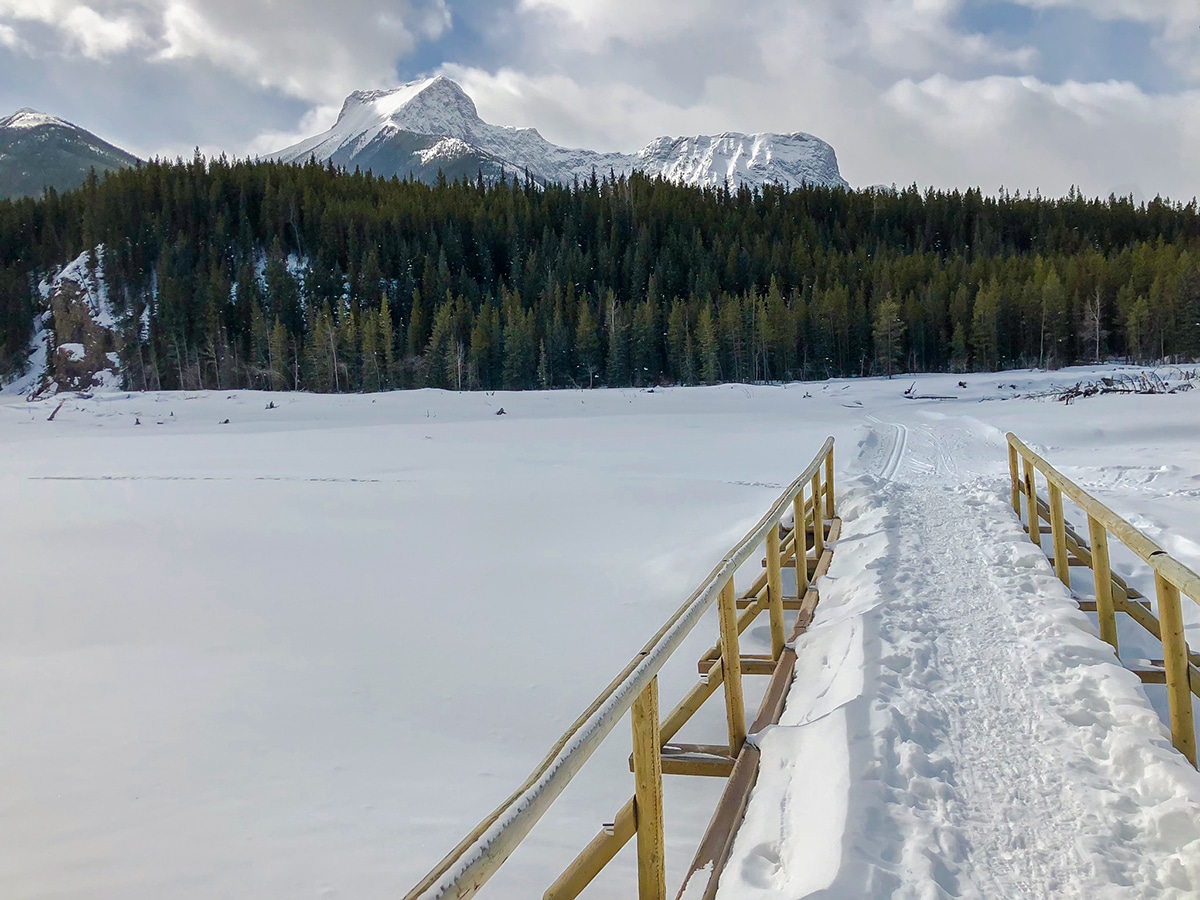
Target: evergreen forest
x=264, y=275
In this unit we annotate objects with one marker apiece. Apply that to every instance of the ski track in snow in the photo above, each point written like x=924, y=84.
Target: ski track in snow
x=968, y=718
x=972, y=740
x=996, y=748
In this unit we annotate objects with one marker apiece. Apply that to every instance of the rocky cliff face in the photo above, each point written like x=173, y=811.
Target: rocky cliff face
x=77, y=343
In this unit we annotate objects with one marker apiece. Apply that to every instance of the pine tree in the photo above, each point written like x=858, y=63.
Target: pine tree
x=678, y=337
x=278, y=365
x=958, y=349
x=707, y=346
x=985, y=328
x=616, y=366
x=644, y=344
x=520, y=349
x=587, y=345
x=1139, y=332
x=888, y=331
x=372, y=363
x=387, y=344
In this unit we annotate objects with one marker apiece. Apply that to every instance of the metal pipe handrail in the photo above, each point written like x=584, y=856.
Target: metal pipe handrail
x=465, y=869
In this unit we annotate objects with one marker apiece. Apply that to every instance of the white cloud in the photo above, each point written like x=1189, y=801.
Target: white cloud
x=98, y=37
x=894, y=85
x=316, y=120
x=306, y=52
x=901, y=34
x=900, y=88
x=312, y=51
x=612, y=116
x=640, y=21
x=1025, y=133
x=10, y=39
x=86, y=30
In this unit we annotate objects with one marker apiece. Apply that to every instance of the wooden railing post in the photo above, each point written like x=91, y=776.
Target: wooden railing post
x=478, y=856
x=1031, y=504
x=648, y=795
x=818, y=516
x=1058, y=531
x=830, y=509
x=1102, y=575
x=801, y=543
x=731, y=663
x=775, y=591
x=1175, y=658
x=1015, y=478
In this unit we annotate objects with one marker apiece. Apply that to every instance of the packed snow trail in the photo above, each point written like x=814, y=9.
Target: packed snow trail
x=955, y=728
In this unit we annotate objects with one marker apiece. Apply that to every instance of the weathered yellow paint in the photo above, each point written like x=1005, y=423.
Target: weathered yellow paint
x=1062, y=566
x=721, y=666
x=1015, y=476
x=830, y=509
x=1175, y=661
x=775, y=592
x=801, y=542
x=648, y=796
x=1113, y=594
x=731, y=661
x=818, y=517
x=1102, y=575
x=1031, y=504
x=595, y=856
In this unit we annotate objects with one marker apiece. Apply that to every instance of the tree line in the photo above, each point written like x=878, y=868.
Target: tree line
x=264, y=275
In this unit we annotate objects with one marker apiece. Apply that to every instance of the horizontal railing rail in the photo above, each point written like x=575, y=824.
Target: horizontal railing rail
x=481, y=853
x=1172, y=578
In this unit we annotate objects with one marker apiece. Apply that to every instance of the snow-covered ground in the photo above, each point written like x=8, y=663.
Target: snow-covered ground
x=301, y=653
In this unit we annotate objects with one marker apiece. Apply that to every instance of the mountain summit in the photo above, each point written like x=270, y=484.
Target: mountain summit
x=432, y=125
x=38, y=151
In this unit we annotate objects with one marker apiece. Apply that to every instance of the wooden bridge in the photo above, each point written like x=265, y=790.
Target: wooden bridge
x=1178, y=666
x=798, y=531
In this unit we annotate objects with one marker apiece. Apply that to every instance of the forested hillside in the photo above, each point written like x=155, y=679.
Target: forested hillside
x=269, y=275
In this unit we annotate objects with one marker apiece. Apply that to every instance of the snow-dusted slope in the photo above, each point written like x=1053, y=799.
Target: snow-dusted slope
x=26, y=118
x=39, y=151
x=438, y=107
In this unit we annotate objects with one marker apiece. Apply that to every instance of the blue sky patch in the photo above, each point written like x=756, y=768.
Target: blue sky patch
x=1074, y=45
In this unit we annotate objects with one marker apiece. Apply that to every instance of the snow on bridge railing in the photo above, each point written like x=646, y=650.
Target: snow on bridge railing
x=1180, y=668
x=481, y=853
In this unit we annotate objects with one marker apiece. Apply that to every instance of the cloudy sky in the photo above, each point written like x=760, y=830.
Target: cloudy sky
x=1024, y=94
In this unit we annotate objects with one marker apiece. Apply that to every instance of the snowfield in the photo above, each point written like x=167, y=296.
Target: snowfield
x=301, y=653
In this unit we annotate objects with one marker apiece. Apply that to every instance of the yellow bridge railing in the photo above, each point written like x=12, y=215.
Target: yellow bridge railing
x=1178, y=667
x=806, y=545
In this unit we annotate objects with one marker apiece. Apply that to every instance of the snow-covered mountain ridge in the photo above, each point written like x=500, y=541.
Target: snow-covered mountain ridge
x=39, y=151
x=377, y=129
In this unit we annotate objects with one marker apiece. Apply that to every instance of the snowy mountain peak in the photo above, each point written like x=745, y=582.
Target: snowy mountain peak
x=376, y=130
x=436, y=106
x=733, y=158
x=26, y=118
x=39, y=151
